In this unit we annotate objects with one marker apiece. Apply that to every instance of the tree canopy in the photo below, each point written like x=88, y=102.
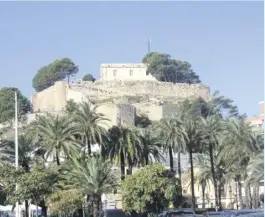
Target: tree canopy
x=7, y=104
x=55, y=71
x=166, y=69
x=89, y=77
x=150, y=189
x=35, y=186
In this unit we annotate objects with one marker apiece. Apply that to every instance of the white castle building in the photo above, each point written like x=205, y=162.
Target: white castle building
x=125, y=72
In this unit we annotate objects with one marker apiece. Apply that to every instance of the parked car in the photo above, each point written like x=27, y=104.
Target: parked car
x=209, y=214
x=234, y=213
x=258, y=214
x=177, y=213
x=116, y=213
x=112, y=213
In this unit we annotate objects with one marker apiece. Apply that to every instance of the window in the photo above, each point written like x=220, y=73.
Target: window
x=131, y=72
x=114, y=72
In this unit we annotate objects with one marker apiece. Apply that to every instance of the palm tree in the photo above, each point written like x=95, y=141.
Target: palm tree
x=256, y=168
x=241, y=144
x=173, y=136
x=55, y=134
x=202, y=174
x=92, y=177
x=203, y=177
x=192, y=143
x=151, y=146
x=256, y=175
x=89, y=123
x=217, y=105
x=212, y=129
x=123, y=146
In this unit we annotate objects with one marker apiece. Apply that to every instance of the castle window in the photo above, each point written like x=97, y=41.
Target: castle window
x=114, y=72
x=131, y=72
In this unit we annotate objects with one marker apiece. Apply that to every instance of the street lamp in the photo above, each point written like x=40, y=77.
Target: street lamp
x=16, y=146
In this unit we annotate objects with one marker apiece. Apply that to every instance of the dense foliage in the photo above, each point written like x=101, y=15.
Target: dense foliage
x=7, y=104
x=89, y=77
x=56, y=71
x=150, y=189
x=64, y=201
x=164, y=68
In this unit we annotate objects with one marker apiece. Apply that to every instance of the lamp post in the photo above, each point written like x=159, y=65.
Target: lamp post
x=16, y=147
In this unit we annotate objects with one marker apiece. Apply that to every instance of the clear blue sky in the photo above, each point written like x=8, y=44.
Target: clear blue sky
x=222, y=40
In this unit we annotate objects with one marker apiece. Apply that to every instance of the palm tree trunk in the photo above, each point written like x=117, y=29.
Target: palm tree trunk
x=90, y=204
x=220, y=195
x=80, y=213
x=247, y=197
x=240, y=193
x=95, y=207
x=44, y=211
x=171, y=163
x=57, y=157
x=37, y=209
x=214, y=176
x=130, y=166
x=256, y=196
x=27, y=208
x=179, y=171
x=203, y=194
x=100, y=206
x=250, y=197
x=43, y=208
x=193, y=205
x=146, y=159
x=122, y=164
x=26, y=167
x=236, y=194
x=88, y=145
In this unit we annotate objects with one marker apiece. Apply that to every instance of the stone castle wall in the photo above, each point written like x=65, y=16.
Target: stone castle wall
x=126, y=114
x=145, y=96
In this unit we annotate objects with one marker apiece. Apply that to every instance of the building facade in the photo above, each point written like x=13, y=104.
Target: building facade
x=125, y=72
x=259, y=119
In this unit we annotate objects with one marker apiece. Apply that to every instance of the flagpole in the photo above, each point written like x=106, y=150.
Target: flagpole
x=16, y=146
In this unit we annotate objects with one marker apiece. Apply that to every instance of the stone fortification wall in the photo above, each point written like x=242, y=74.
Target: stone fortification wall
x=153, y=90
x=50, y=99
x=169, y=110
x=146, y=96
x=126, y=114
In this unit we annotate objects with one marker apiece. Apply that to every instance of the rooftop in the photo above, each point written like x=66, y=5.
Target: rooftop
x=123, y=65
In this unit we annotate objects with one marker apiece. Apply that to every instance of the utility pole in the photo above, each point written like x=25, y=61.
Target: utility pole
x=149, y=45
x=16, y=146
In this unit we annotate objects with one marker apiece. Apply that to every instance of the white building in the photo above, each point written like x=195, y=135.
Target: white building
x=125, y=72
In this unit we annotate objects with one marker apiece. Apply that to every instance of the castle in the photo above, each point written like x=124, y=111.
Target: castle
x=121, y=91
